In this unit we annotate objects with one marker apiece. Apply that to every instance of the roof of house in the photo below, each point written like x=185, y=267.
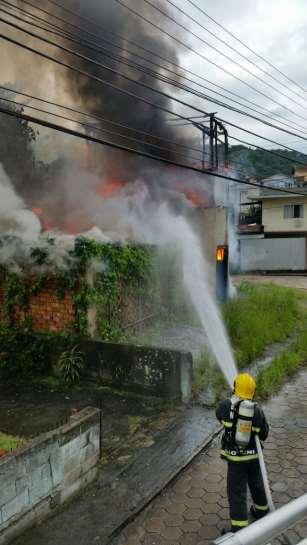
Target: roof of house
x=273, y=193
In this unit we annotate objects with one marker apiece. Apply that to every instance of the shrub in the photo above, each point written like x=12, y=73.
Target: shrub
x=22, y=353
x=70, y=365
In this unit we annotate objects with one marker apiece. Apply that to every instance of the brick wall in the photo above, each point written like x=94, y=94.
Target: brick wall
x=46, y=472
x=47, y=311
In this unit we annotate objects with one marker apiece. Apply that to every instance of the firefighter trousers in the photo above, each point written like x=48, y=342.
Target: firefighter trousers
x=241, y=475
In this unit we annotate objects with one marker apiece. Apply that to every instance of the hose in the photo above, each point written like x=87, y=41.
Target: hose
x=266, y=484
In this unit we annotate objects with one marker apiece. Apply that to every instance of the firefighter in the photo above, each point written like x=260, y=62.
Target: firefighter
x=241, y=420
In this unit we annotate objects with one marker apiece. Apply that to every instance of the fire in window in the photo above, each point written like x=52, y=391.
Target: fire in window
x=293, y=211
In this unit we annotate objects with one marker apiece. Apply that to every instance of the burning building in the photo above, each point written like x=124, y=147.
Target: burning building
x=103, y=194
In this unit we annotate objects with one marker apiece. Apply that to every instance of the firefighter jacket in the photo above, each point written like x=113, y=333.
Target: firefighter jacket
x=226, y=414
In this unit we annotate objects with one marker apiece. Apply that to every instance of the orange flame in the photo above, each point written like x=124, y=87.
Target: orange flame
x=110, y=188
x=220, y=253
x=197, y=198
x=45, y=223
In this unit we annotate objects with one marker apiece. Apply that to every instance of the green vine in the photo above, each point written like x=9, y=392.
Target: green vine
x=117, y=269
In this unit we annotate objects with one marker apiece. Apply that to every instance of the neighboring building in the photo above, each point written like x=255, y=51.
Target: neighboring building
x=300, y=175
x=284, y=214
x=273, y=227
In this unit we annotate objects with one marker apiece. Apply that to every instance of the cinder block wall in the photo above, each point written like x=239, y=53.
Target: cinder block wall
x=42, y=475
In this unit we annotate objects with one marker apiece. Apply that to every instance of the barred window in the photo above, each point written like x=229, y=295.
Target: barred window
x=293, y=211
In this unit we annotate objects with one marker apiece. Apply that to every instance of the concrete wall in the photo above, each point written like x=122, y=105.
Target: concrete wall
x=46, y=472
x=273, y=215
x=141, y=369
x=257, y=254
x=211, y=225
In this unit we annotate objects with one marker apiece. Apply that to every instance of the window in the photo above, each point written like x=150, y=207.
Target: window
x=293, y=211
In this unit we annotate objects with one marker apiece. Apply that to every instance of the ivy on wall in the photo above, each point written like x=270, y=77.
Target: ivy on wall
x=115, y=267
x=23, y=352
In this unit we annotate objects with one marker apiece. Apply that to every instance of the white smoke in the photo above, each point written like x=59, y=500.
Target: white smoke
x=163, y=227
x=15, y=218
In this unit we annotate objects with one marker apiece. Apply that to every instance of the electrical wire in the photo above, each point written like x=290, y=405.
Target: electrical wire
x=89, y=138
x=92, y=76
x=100, y=118
x=99, y=129
x=100, y=80
x=107, y=83
x=235, y=51
x=267, y=151
x=155, y=54
x=132, y=80
x=260, y=136
x=245, y=45
x=139, y=15
x=124, y=60
x=235, y=164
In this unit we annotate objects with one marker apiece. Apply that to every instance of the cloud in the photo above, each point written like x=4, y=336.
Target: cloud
x=277, y=30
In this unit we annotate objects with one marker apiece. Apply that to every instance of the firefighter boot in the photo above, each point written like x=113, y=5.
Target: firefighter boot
x=258, y=513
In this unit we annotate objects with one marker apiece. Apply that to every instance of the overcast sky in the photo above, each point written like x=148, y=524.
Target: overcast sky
x=277, y=30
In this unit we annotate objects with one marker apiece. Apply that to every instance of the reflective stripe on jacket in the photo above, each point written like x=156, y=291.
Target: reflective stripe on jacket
x=230, y=450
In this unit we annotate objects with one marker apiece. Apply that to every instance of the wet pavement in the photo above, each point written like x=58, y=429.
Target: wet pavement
x=121, y=492
x=193, y=509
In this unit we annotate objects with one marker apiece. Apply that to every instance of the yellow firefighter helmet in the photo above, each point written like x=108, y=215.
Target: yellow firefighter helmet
x=245, y=386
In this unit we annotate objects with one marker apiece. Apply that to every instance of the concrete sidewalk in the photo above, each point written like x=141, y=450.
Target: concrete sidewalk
x=116, y=497
x=194, y=509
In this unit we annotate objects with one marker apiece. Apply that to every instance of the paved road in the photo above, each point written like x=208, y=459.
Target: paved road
x=193, y=509
x=298, y=281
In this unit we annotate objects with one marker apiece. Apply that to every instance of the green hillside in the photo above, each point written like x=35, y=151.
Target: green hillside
x=260, y=163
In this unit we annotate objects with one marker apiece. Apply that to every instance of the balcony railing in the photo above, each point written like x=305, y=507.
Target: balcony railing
x=250, y=219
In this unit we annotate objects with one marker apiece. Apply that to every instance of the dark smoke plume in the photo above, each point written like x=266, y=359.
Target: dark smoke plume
x=68, y=188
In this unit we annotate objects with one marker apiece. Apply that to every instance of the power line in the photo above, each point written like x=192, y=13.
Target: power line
x=155, y=54
x=148, y=71
x=100, y=80
x=235, y=51
x=94, y=139
x=245, y=45
x=93, y=127
x=99, y=129
x=96, y=78
x=267, y=151
x=100, y=119
x=198, y=53
x=259, y=136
